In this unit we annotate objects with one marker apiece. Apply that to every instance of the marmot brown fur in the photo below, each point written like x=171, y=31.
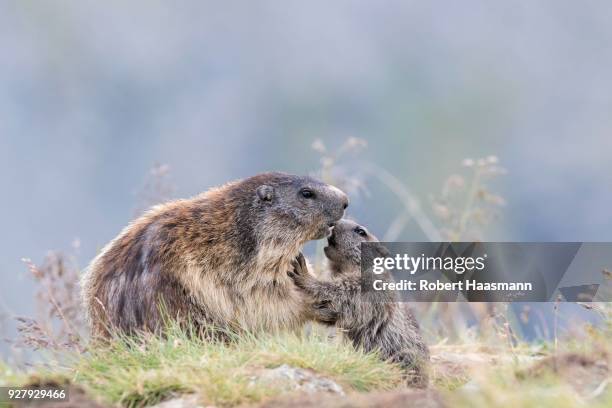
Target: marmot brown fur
x=371, y=320
x=219, y=259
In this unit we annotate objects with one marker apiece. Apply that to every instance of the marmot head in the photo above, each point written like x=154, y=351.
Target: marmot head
x=344, y=246
x=294, y=208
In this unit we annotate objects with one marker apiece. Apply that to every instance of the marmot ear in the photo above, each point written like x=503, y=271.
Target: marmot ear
x=265, y=192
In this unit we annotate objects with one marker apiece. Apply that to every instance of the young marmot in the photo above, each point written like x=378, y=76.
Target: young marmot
x=371, y=320
x=219, y=259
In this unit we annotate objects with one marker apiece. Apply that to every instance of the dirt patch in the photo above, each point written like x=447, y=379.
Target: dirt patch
x=387, y=399
x=78, y=398
x=585, y=373
x=453, y=366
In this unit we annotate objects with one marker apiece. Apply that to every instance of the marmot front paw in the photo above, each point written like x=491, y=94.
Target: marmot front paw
x=299, y=273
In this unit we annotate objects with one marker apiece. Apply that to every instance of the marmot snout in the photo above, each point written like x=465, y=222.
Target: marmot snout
x=343, y=249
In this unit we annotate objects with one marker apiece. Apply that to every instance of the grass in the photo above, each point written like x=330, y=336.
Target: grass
x=145, y=370
x=142, y=371
x=573, y=371
x=516, y=385
x=482, y=369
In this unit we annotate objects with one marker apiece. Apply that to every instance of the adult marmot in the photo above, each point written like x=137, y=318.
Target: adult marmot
x=219, y=259
x=371, y=320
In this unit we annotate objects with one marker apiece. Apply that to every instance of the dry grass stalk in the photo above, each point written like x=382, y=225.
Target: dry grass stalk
x=60, y=323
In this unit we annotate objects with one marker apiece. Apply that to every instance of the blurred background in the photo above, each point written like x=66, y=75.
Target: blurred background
x=94, y=94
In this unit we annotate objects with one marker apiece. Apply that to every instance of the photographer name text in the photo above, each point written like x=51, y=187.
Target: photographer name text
x=467, y=285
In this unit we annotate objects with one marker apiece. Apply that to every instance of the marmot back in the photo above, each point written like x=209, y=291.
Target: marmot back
x=372, y=321
x=218, y=259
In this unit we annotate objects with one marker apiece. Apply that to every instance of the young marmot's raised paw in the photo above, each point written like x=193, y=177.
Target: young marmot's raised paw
x=320, y=307
x=373, y=322
x=299, y=272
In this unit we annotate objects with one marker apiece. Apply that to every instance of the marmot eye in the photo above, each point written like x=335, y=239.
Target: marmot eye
x=361, y=232
x=307, y=193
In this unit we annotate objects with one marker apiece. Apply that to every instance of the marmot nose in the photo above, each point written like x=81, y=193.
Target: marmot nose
x=339, y=198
